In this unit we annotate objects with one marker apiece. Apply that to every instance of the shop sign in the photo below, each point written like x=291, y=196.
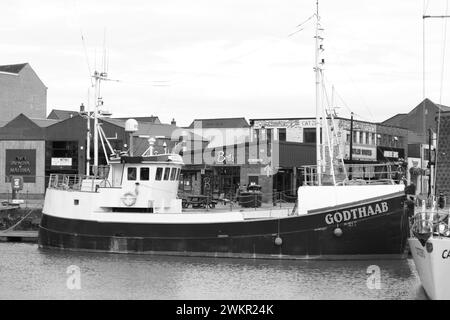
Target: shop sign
x=61, y=162
x=390, y=154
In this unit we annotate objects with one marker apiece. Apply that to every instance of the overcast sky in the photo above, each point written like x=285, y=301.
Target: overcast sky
x=228, y=58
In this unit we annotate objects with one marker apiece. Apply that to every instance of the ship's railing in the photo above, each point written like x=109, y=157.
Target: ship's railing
x=355, y=174
x=76, y=182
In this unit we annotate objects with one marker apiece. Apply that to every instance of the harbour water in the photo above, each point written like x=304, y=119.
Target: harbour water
x=29, y=273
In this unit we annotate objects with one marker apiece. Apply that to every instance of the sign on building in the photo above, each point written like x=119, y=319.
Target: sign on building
x=61, y=162
x=21, y=162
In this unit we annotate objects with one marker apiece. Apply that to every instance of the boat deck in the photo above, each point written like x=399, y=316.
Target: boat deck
x=265, y=211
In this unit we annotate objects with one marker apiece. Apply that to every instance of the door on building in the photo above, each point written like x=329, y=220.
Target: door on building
x=226, y=180
x=283, y=189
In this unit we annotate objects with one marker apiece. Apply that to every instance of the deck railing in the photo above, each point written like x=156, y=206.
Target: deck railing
x=76, y=182
x=356, y=174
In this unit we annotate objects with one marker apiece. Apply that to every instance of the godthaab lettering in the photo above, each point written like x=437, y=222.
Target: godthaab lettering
x=356, y=213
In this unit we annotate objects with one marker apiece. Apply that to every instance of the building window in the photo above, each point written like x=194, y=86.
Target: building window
x=282, y=134
x=269, y=134
x=132, y=174
x=348, y=137
x=269, y=142
x=354, y=136
x=158, y=174
x=253, y=180
x=367, y=134
x=166, y=173
x=256, y=135
x=145, y=174
x=309, y=135
x=186, y=181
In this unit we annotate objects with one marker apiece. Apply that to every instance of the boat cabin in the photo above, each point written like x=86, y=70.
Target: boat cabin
x=141, y=184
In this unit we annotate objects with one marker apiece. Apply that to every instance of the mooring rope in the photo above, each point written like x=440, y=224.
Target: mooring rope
x=20, y=221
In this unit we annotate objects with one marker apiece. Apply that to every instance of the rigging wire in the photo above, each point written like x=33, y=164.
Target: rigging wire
x=267, y=44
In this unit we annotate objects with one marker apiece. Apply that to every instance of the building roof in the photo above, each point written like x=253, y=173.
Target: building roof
x=442, y=107
x=151, y=119
x=395, y=120
x=12, y=68
x=336, y=117
x=58, y=114
x=43, y=123
x=221, y=123
x=152, y=129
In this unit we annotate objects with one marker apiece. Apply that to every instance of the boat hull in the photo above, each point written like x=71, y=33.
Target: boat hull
x=433, y=264
x=320, y=235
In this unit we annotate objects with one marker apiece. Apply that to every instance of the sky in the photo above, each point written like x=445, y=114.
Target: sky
x=234, y=58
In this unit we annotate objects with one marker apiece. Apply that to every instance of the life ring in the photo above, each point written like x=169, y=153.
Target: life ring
x=129, y=199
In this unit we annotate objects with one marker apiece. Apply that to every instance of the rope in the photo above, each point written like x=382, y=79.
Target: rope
x=20, y=221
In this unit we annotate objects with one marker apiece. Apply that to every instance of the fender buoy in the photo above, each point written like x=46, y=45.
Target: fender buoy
x=129, y=199
x=278, y=241
x=338, y=232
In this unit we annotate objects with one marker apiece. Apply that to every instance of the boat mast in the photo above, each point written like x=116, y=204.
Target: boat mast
x=88, y=135
x=317, y=71
x=97, y=76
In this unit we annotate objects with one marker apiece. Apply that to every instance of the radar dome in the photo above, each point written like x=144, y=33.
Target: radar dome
x=131, y=125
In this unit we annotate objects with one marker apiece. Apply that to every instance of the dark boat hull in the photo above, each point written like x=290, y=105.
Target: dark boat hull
x=312, y=236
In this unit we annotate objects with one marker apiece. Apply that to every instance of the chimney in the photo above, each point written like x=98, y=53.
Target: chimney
x=173, y=122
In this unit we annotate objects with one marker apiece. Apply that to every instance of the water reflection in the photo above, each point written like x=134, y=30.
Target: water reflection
x=29, y=273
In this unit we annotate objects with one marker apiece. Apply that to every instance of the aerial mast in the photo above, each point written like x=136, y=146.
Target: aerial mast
x=318, y=113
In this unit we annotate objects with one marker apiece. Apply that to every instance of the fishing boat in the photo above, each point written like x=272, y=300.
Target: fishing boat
x=132, y=207
x=429, y=239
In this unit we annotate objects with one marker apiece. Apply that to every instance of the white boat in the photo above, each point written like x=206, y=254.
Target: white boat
x=430, y=248
x=430, y=234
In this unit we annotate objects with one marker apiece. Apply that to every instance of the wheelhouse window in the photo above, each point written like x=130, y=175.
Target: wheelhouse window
x=178, y=173
x=145, y=174
x=132, y=173
x=173, y=174
x=159, y=172
x=166, y=173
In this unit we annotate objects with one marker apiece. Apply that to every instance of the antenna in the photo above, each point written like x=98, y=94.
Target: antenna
x=317, y=71
x=98, y=77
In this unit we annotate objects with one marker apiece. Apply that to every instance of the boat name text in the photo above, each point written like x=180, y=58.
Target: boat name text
x=356, y=213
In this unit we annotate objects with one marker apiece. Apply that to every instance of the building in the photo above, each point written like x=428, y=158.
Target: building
x=421, y=125
x=274, y=165
x=443, y=156
x=22, y=153
x=222, y=131
x=372, y=143
x=419, y=120
x=36, y=148
x=21, y=92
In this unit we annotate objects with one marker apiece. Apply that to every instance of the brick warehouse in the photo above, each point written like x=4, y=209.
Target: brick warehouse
x=443, y=157
x=21, y=91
